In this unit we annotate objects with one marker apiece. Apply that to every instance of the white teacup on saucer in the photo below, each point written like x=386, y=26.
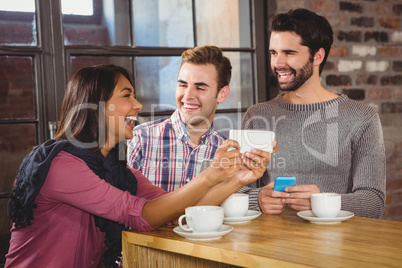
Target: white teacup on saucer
x=202, y=219
x=326, y=205
x=235, y=205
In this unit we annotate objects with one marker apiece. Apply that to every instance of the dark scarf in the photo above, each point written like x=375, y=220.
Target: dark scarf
x=32, y=175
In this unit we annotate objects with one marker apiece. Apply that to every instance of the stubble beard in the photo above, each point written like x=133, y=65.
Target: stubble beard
x=300, y=76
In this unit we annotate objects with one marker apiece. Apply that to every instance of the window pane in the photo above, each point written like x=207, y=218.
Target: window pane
x=18, y=24
x=225, y=121
x=161, y=23
x=78, y=62
x=108, y=26
x=77, y=7
x=241, y=83
x=223, y=23
x=18, y=5
x=156, y=79
x=16, y=141
x=17, y=96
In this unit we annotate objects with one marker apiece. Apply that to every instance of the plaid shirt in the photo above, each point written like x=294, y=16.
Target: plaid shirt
x=160, y=150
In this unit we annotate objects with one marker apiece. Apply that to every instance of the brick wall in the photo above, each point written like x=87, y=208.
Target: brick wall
x=366, y=64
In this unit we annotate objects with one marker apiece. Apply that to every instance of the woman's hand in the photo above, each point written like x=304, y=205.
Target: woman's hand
x=255, y=164
x=226, y=163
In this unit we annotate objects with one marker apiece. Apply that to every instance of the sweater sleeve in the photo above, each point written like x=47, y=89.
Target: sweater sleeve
x=253, y=197
x=367, y=198
x=71, y=181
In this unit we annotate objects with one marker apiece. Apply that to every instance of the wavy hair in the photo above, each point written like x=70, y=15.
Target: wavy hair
x=314, y=30
x=84, y=101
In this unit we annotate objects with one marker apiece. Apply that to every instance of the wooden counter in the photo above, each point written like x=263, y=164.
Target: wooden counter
x=273, y=240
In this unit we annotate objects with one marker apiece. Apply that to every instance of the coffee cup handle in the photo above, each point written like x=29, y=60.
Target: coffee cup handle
x=182, y=226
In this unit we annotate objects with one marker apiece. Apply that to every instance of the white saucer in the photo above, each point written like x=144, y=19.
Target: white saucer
x=250, y=215
x=309, y=216
x=225, y=229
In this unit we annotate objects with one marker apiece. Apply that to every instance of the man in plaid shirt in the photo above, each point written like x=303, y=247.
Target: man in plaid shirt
x=169, y=151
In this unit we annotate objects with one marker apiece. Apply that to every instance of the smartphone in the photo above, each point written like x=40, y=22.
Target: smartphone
x=282, y=182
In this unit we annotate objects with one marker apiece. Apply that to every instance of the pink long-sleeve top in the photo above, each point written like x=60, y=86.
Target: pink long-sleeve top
x=63, y=232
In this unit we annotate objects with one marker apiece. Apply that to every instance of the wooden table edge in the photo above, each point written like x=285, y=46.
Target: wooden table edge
x=201, y=251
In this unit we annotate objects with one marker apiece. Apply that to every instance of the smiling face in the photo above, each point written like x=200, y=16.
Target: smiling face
x=197, y=95
x=121, y=112
x=291, y=62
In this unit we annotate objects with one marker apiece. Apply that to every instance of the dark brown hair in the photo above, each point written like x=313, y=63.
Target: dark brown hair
x=86, y=91
x=314, y=30
x=210, y=55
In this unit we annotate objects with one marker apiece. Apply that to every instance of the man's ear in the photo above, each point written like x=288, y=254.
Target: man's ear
x=319, y=56
x=223, y=94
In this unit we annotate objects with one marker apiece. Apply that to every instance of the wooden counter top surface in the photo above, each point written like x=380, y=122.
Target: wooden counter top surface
x=288, y=241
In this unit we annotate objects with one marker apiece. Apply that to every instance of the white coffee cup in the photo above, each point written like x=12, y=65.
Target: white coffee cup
x=202, y=219
x=235, y=205
x=326, y=205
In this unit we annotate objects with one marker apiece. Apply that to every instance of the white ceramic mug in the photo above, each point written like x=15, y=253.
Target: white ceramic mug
x=235, y=205
x=202, y=219
x=326, y=205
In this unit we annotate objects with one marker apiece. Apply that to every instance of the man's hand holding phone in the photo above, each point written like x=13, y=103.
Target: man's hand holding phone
x=272, y=195
x=282, y=182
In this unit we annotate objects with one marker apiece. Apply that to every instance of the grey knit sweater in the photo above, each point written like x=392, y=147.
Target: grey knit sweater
x=337, y=145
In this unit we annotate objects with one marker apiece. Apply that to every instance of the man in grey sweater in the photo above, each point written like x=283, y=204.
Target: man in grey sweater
x=329, y=142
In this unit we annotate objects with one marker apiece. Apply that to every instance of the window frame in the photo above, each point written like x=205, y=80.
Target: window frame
x=16, y=16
